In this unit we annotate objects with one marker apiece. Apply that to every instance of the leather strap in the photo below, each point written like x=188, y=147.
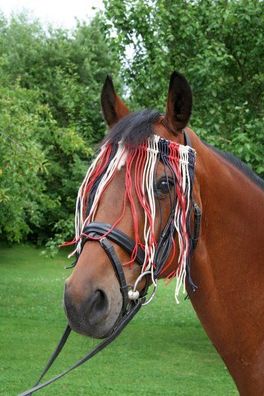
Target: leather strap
x=97, y=230
x=187, y=140
x=125, y=320
x=115, y=235
x=53, y=357
x=196, y=226
x=110, y=251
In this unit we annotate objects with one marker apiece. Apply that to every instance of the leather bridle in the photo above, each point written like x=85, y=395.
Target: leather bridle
x=105, y=234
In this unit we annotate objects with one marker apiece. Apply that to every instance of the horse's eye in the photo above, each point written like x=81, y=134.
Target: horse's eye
x=163, y=186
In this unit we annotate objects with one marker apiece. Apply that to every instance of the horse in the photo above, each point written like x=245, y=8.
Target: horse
x=136, y=214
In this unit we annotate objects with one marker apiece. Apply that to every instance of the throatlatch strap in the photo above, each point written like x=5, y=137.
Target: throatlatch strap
x=125, y=320
x=197, y=225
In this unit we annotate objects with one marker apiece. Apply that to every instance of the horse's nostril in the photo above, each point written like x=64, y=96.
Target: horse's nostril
x=89, y=313
x=97, y=307
x=100, y=300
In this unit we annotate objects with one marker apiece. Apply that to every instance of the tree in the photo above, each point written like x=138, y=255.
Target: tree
x=217, y=45
x=49, y=122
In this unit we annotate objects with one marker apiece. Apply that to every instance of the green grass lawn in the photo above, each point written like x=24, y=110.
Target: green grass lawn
x=163, y=351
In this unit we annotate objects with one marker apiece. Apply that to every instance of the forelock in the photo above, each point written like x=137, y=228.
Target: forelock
x=133, y=129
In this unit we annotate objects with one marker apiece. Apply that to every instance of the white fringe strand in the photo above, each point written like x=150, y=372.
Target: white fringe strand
x=180, y=165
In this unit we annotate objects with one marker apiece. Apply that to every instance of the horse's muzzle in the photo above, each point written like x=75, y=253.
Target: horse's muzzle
x=89, y=316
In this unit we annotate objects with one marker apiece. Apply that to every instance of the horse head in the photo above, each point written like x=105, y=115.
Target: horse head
x=132, y=211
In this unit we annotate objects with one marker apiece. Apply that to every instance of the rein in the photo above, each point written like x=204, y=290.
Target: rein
x=132, y=299
x=117, y=330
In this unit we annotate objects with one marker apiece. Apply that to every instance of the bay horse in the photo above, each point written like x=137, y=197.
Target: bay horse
x=142, y=188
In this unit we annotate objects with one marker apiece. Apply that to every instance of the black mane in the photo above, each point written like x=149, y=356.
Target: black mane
x=240, y=165
x=134, y=128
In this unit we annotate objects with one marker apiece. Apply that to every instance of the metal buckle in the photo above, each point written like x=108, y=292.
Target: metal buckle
x=134, y=294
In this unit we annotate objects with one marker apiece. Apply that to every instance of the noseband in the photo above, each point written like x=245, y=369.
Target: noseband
x=95, y=231
x=105, y=234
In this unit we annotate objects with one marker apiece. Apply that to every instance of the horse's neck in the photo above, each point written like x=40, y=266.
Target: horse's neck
x=228, y=267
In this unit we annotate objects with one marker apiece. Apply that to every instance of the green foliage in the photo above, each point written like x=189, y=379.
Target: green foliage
x=21, y=163
x=218, y=45
x=50, y=119
x=50, y=82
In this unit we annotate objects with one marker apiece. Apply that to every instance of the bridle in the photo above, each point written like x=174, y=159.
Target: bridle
x=106, y=235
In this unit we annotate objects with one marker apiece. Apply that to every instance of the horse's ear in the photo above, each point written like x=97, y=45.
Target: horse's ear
x=179, y=104
x=113, y=107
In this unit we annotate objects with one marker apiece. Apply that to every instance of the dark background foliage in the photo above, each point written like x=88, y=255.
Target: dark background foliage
x=50, y=83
